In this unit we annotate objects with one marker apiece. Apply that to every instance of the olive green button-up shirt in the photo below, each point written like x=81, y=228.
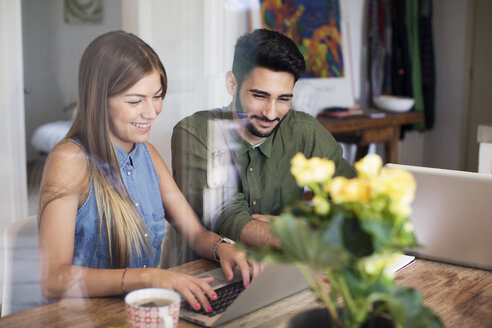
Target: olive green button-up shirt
x=226, y=180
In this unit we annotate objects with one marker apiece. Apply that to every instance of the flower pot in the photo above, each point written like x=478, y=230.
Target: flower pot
x=320, y=318
x=313, y=318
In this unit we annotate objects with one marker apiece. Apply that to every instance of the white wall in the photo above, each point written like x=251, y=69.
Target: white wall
x=443, y=144
x=52, y=51
x=177, y=37
x=13, y=186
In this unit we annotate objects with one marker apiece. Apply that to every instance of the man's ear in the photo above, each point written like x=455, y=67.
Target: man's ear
x=231, y=83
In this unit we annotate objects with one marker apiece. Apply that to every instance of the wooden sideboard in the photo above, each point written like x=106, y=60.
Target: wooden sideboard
x=363, y=130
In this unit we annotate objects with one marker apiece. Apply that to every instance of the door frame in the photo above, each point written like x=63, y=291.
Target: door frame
x=467, y=112
x=13, y=175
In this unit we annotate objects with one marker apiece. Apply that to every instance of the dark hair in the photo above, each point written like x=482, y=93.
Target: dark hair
x=269, y=49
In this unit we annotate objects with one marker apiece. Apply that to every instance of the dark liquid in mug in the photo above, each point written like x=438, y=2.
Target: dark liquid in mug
x=154, y=302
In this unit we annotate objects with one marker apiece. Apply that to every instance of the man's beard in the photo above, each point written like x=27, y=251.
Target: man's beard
x=243, y=116
x=257, y=133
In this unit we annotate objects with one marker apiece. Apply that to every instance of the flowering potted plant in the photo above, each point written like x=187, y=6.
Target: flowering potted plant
x=346, y=239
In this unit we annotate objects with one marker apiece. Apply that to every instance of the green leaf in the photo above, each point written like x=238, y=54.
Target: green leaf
x=270, y=255
x=380, y=231
x=406, y=308
x=417, y=315
x=333, y=233
x=305, y=244
x=355, y=239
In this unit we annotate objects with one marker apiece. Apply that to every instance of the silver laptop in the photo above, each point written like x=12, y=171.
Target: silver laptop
x=452, y=216
x=276, y=282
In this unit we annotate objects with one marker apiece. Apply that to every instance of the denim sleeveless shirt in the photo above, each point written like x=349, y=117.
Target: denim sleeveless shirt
x=142, y=182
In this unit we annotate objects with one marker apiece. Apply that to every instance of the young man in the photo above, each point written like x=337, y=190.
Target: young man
x=233, y=164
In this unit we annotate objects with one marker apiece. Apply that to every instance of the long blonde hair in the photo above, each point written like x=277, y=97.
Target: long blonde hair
x=110, y=65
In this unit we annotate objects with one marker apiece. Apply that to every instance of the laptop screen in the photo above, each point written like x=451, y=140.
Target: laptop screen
x=452, y=216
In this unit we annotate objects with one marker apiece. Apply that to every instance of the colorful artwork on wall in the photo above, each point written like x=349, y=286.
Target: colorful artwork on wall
x=315, y=26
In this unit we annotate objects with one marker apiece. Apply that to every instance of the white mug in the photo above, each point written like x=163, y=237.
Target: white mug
x=152, y=316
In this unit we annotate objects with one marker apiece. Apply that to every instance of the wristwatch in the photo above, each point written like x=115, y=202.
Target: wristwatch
x=220, y=241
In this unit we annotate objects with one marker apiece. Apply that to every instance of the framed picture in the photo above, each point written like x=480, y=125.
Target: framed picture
x=83, y=11
x=319, y=30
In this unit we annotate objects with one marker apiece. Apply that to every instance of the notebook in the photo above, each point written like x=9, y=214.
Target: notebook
x=274, y=283
x=452, y=216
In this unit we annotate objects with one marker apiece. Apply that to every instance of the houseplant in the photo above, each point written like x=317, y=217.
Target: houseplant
x=346, y=239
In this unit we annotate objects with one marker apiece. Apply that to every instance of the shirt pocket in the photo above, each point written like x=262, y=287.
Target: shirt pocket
x=157, y=228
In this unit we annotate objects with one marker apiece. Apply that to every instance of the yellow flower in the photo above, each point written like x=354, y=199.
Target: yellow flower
x=408, y=227
x=349, y=190
x=321, y=205
x=369, y=166
x=322, y=169
x=375, y=264
x=314, y=170
x=400, y=186
x=298, y=169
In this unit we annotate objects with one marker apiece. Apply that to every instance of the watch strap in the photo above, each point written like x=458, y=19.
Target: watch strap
x=220, y=241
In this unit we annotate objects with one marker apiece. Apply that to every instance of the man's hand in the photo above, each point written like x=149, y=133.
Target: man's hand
x=256, y=233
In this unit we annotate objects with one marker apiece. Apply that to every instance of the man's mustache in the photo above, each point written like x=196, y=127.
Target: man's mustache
x=263, y=118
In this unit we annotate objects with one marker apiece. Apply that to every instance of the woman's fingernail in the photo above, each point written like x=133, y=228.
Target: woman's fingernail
x=246, y=284
x=197, y=306
x=228, y=277
x=209, y=309
x=214, y=296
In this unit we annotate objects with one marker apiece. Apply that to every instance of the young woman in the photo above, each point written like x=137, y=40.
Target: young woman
x=106, y=191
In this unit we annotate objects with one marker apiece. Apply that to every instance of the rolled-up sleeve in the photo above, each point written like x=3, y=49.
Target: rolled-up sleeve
x=218, y=204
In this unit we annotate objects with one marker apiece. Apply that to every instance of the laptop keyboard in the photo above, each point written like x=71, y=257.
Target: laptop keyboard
x=225, y=296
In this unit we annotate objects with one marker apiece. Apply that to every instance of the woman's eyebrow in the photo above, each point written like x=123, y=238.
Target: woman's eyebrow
x=133, y=95
x=140, y=95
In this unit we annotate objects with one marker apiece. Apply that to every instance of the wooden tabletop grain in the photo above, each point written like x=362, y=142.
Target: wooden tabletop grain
x=461, y=296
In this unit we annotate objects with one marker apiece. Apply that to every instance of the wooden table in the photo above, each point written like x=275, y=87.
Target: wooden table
x=461, y=296
x=363, y=130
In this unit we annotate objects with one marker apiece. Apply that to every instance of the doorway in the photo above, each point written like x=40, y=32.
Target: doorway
x=52, y=50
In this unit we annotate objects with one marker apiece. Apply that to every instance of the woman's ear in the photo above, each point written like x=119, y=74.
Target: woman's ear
x=231, y=83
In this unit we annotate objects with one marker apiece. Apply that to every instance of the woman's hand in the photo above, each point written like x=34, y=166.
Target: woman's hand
x=230, y=257
x=193, y=290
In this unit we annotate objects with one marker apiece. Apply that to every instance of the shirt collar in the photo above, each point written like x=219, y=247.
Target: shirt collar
x=265, y=147
x=126, y=159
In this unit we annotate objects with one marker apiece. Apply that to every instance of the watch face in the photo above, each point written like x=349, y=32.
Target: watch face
x=221, y=241
x=227, y=240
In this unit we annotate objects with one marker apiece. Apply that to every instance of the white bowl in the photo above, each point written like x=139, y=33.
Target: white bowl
x=394, y=103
